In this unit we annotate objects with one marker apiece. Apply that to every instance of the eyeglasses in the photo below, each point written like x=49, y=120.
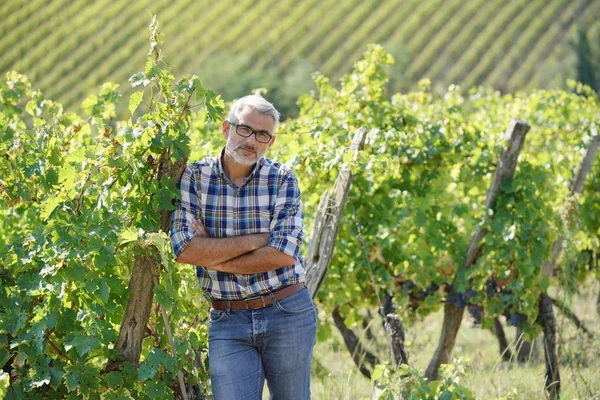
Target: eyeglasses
x=246, y=131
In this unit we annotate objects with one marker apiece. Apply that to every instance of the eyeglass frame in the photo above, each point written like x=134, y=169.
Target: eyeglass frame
x=253, y=132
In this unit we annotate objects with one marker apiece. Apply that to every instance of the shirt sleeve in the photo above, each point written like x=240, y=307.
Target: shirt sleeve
x=286, y=223
x=185, y=211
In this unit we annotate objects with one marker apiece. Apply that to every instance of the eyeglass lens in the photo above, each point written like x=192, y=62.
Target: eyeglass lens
x=261, y=136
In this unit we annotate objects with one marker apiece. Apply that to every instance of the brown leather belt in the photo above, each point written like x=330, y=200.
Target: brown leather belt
x=256, y=302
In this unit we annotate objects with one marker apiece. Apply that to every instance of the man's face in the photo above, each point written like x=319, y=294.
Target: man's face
x=247, y=150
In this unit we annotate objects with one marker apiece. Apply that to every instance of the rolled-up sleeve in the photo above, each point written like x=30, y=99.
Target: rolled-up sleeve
x=185, y=211
x=286, y=223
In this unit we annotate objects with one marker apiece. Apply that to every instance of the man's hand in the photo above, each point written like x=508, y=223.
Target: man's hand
x=199, y=228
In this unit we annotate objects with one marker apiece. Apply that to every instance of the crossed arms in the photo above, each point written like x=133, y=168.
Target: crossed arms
x=247, y=254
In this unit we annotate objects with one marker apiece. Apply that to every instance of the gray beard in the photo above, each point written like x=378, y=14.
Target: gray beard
x=241, y=159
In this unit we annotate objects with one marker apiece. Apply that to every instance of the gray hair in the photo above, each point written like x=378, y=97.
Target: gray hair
x=257, y=103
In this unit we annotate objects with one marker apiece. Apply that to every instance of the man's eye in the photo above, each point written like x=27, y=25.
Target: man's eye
x=263, y=135
x=244, y=130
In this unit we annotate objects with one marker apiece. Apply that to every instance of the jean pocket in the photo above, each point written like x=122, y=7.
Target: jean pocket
x=297, y=303
x=216, y=315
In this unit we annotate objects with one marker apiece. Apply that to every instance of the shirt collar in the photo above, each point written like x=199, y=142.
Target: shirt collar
x=221, y=170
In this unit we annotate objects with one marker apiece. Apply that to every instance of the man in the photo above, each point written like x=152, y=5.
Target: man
x=239, y=221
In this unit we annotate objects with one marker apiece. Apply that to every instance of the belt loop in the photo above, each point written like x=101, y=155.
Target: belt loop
x=228, y=311
x=272, y=298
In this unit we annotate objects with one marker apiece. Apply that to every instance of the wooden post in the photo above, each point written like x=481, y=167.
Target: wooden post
x=452, y=314
x=137, y=313
x=395, y=330
x=548, y=322
x=141, y=284
x=498, y=331
x=321, y=245
x=545, y=311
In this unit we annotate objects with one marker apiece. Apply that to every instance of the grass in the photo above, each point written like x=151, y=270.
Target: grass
x=335, y=376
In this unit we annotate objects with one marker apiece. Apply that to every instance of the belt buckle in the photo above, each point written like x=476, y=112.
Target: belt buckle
x=262, y=297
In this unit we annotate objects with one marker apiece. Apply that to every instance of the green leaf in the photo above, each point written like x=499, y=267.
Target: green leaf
x=4, y=356
x=134, y=101
x=163, y=297
x=104, y=257
x=157, y=356
x=403, y=369
x=215, y=106
x=57, y=371
x=146, y=372
x=75, y=272
x=67, y=175
x=108, y=91
x=128, y=235
x=72, y=378
x=91, y=285
x=49, y=206
x=377, y=372
x=165, y=201
x=149, y=368
x=89, y=379
x=139, y=79
x=82, y=344
x=200, y=91
x=445, y=395
x=168, y=192
x=420, y=219
x=89, y=103
x=434, y=386
x=347, y=157
x=4, y=382
x=156, y=389
x=76, y=156
x=103, y=291
x=507, y=185
x=51, y=178
x=162, y=243
x=114, y=379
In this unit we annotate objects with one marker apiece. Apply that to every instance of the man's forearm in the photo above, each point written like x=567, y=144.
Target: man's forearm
x=206, y=251
x=264, y=259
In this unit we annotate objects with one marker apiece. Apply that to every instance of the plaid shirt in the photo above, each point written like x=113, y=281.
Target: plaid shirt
x=268, y=201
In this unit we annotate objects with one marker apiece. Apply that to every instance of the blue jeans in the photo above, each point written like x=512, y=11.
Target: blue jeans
x=275, y=342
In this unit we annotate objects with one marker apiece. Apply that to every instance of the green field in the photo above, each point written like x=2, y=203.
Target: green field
x=68, y=48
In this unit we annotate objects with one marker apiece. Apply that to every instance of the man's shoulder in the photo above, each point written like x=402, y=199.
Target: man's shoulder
x=206, y=162
x=271, y=166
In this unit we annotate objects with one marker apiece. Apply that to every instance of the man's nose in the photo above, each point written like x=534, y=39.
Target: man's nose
x=251, y=139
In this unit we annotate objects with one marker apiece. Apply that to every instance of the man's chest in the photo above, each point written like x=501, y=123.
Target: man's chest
x=227, y=210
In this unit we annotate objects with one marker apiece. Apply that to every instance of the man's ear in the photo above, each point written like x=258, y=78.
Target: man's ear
x=272, y=141
x=225, y=128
